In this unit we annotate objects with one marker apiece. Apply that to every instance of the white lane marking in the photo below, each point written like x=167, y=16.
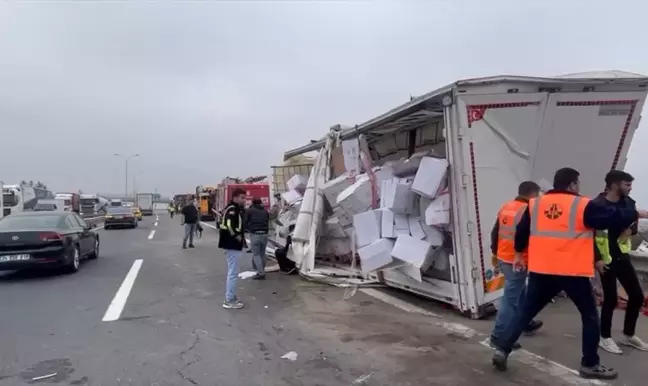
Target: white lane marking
x=119, y=301
x=398, y=303
x=99, y=227
x=151, y=235
x=538, y=362
x=545, y=365
x=157, y=218
x=208, y=225
x=155, y=224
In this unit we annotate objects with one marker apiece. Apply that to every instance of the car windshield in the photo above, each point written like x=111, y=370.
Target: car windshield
x=44, y=207
x=118, y=210
x=31, y=222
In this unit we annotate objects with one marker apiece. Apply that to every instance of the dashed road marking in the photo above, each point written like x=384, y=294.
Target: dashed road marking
x=155, y=224
x=208, y=225
x=119, y=301
x=538, y=362
x=150, y=237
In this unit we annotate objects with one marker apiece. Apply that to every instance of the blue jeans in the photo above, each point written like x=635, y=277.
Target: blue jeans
x=511, y=301
x=233, y=259
x=258, y=243
x=190, y=230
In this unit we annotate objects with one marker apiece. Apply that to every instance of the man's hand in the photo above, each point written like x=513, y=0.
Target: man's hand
x=601, y=266
x=626, y=233
x=519, y=264
x=642, y=213
x=494, y=261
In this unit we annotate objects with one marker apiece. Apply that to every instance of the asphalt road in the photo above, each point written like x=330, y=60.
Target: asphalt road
x=172, y=330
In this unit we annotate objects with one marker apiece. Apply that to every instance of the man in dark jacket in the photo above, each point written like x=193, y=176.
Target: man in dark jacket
x=232, y=241
x=257, y=220
x=614, y=246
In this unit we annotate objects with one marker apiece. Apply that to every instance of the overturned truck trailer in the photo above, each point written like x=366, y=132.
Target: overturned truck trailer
x=494, y=133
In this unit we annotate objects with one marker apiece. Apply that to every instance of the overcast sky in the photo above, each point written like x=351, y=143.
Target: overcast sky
x=207, y=89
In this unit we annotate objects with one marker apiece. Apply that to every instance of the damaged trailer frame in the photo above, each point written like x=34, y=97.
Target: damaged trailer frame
x=496, y=132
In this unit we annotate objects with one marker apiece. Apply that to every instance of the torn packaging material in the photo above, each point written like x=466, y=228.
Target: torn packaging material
x=367, y=227
x=429, y=176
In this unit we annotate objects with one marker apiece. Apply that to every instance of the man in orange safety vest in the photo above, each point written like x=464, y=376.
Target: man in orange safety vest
x=557, y=230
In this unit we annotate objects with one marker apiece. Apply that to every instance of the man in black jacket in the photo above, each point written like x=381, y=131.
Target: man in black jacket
x=614, y=244
x=257, y=220
x=232, y=241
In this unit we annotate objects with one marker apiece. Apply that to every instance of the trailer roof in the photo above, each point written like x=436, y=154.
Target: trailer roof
x=417, y=110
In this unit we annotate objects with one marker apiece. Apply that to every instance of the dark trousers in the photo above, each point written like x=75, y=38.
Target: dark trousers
x=540, y=290
x=622, y=270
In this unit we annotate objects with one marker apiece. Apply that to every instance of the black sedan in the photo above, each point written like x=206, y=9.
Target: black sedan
x=120, y=216
x=46, y=240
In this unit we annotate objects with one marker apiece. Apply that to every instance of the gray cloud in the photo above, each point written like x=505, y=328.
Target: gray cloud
x=189, y=85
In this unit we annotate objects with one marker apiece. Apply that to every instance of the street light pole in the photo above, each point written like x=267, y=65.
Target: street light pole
x=126, y=159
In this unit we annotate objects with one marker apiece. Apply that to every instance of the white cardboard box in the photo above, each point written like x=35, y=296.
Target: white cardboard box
x=433, y=235
x=438, y=212
x=429, y=176
x=291, y=196
x=387, y=224
x=343, y=217
x=334, y=187
x=412, y=250
x=401, y=224
x=333, y=229
x=376, y=255
x=367, y=227
x=412, y=271
x=297, y=182
x=396, y=195
x=415, y=228
x=356, y=198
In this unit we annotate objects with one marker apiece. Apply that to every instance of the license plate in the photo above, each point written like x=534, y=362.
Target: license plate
x=22, y=257
x=119, y=217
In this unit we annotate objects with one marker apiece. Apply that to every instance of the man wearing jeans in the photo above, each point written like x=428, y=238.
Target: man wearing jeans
x=231, y=240
x=190, y=221
x=257, y=221
x=502, y=240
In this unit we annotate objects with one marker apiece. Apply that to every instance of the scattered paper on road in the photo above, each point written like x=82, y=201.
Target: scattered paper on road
x=247, y=274
x=290, y=356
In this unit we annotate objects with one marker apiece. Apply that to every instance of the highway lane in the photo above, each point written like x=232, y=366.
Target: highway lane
x=173, y=331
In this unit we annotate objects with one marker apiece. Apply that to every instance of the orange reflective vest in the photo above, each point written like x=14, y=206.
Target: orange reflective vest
x=508, y=218
x=559, y=241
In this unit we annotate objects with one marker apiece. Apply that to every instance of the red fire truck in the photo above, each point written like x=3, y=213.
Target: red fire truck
x=255, y=187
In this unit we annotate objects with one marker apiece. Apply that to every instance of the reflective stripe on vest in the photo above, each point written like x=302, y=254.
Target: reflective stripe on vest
x=602, y=243
x=225, y=224
x=508, y=217
x=559, y=242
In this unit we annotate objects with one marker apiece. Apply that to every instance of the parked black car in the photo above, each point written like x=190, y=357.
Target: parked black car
x=120, y=216
x=46, y=240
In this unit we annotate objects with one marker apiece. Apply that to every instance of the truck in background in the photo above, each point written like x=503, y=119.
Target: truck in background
x=255, y=187
x=18, y=198
x=205, y=200
x=93, y=204
x=145, y=202
x=71, y=201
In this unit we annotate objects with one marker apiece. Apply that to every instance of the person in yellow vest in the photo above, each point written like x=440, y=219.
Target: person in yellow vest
x=614, y=246
x=502, y=247
x=557, y=231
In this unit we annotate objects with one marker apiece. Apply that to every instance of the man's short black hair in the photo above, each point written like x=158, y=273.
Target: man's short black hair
x=528, y=188
x=237, y=192
x=616, y=176
x=257, y=201
x=565, y=177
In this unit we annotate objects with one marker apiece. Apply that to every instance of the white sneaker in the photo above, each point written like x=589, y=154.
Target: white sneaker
x=634, y=342
x=609, y=345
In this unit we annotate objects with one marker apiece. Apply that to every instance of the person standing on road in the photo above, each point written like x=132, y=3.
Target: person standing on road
x=232, y=241
x=502, y=247
x=257, y=220
x=189, y=220
x=614, y=246
x=557, y=230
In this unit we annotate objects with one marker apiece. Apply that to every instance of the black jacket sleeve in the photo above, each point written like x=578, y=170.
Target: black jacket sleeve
x=494, y=237
x=600, y=216
x=523, y=232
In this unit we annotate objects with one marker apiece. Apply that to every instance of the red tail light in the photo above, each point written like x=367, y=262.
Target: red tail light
x=50, y=236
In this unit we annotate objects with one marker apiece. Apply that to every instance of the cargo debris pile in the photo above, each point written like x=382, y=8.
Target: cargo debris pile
x=406, y=227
